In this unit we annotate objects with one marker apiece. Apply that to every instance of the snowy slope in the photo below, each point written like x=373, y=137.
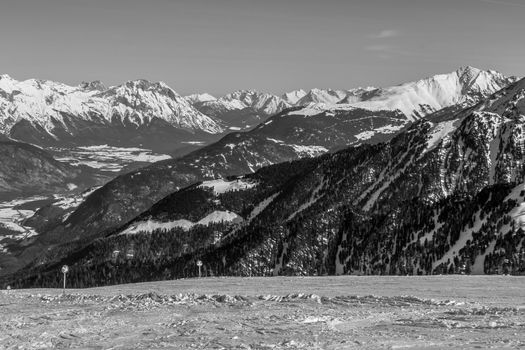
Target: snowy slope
x=203, y=97
x=293, y=96
x=261, y=102
x=465, y=86
x=220, y=186
x=321, y=96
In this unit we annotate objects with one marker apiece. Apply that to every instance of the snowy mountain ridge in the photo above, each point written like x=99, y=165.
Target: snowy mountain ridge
x=462, y=88
x=46, y=103
x=465, y=86
x=47, y=109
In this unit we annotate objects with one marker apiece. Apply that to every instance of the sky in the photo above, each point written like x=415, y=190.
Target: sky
x=218, y=46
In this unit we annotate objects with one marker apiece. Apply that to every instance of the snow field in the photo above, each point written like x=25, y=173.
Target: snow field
x=271, y=313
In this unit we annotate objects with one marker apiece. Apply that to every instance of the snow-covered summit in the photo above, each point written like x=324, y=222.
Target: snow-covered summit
x=196, y=98
x=327, y=96
x=322, y=96
x=45, y=103
x=293, y=96
x=465, y=86
x=262, y=102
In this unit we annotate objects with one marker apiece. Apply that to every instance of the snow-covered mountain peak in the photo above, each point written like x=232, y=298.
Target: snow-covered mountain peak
x=293, y=96
x=248, y=97
x=260, y=101
x=5, y=77
x=469, y=70
x=7, y=83
x=199, y=98
x=144, y=100
x=317, y=95
x=465, y=86
x=140, y=87
x=95, y=85
x=483, y=82
x=46, y=104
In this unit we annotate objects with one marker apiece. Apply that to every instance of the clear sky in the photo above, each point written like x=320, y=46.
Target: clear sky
x=269, y=45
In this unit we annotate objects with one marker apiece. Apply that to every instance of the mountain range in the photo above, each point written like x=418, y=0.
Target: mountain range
x=153, y=115
x=422, y=200
x=416, y=148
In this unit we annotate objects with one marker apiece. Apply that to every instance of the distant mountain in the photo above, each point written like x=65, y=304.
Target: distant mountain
x=293, y=96
x=241, y=109
x=234, y=113
x=461, y=88
x=262, y=102
x=198, y=98
x=441, y=196
x=28, y=170
x=466, y=86
x=328, y=96
x=137, y=112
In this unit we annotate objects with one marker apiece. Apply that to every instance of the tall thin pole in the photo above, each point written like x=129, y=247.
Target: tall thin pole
x=65, y=270
x=199, y=264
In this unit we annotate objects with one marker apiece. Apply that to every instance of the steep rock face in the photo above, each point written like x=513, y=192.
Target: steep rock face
x=46, y=112
x=439, y=197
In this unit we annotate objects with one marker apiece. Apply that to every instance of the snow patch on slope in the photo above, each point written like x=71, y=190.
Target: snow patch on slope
x=153, y=225
x=365, y=135
x=309, y=151
x=220, y=186
x=518, y=213
x=439, y=132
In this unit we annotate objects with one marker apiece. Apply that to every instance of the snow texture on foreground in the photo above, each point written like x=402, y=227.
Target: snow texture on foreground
x=253, y=313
